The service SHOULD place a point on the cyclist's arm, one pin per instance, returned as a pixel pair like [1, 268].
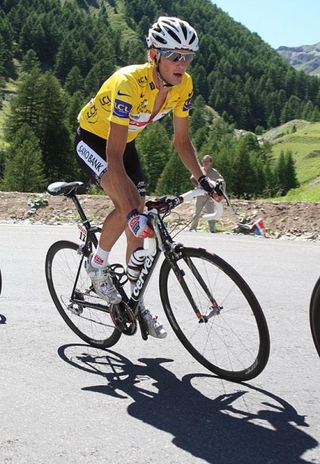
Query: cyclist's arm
[184, 146]
[116, 181]
[186, 150]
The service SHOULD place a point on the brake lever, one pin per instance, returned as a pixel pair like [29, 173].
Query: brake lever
[221, 191]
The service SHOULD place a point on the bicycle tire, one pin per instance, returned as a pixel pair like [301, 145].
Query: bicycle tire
[91, 325]
[314, 315]
[240, 315]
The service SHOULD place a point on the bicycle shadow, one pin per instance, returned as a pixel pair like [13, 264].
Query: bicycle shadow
[219, 430]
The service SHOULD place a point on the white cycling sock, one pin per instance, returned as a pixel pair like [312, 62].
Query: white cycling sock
[100, 258]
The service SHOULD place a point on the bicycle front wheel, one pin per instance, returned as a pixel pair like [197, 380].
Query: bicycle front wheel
[70, 288]
[215, 314]
[314, 314]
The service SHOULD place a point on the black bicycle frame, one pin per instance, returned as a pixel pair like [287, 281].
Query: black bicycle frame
[144, 277]
[146, 271]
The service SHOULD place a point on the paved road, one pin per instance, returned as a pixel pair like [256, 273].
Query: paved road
[64, 402]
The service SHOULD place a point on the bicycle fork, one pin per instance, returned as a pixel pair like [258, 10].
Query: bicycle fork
[214, 309]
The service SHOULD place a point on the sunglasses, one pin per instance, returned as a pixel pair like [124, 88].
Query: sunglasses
[171, 55]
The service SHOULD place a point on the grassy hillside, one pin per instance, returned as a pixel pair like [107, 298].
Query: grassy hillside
[2, 113]
[303, 139]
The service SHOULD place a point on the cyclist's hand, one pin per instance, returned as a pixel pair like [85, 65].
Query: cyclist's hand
[213, 188]
[138, 224]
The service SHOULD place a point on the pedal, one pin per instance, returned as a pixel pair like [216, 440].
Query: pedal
[118, 271]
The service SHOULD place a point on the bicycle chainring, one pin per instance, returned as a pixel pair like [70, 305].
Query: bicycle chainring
[123, 318]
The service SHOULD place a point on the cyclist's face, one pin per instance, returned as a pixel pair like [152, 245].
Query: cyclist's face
[173, 71]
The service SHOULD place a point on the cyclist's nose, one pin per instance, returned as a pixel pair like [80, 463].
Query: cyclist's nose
[182, 64]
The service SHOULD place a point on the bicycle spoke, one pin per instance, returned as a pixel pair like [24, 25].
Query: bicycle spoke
[229, 342]
[71, 289]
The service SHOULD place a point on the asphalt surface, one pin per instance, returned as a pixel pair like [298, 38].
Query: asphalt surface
[62, 401]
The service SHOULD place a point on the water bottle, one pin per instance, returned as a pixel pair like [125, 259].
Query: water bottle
[135, 264]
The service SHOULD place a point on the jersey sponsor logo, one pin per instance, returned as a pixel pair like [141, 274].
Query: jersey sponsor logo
[91, 113]
[142, 81]
[187, 104]
[105, 101]
[92, 159]
[121, 108]
[122, 93]
[142, 106]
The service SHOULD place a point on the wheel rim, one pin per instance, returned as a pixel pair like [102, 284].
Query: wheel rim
[229, 343]
[90, 324]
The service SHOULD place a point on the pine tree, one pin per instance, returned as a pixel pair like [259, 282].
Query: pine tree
[40, 103]
[281, 174]
[244, 172]
[175, 178]
[74, 81]
[53, 131]
[26, 106]
[291, 176]
[30, 61]
[24, 169]
[154, 147]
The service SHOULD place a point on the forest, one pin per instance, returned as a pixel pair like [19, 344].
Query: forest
[55, 54]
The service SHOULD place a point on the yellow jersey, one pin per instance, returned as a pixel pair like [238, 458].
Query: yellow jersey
[128, 97]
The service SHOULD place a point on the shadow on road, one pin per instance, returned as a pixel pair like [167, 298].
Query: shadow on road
[3, 319]
[233, 427]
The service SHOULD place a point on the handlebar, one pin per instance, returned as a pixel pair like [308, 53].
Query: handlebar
[164, 204]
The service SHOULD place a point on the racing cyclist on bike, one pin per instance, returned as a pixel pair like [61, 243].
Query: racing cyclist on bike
[132, 98]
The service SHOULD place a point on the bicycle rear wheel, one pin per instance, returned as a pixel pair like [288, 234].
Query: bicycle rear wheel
[70, 289]
[234, 342]
[314, 315]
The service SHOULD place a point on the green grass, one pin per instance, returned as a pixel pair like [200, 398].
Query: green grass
[305, 147]
[118, 22]
[2, 118]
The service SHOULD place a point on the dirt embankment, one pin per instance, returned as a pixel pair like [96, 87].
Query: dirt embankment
[291, 220]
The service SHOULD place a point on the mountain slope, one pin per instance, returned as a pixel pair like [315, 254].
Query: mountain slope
[302, 138]
[237, 73]
[305, 58]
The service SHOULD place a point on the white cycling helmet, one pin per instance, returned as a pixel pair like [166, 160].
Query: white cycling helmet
[172, 33]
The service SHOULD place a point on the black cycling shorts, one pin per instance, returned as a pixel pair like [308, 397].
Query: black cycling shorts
[91, 154]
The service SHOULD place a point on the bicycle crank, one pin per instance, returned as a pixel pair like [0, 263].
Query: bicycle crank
[123, 318]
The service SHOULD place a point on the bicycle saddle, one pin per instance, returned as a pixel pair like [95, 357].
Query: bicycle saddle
[63, 188]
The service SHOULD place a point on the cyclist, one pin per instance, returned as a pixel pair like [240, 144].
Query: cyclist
[128, 101]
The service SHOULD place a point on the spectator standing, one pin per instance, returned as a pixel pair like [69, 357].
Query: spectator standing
[205, 201]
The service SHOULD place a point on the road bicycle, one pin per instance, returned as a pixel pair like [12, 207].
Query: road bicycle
[314, 315]
[210, 307]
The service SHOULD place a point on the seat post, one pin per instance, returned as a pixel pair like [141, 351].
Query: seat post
[82, 215]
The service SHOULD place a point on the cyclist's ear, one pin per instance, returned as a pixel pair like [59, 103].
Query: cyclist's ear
[152, 55]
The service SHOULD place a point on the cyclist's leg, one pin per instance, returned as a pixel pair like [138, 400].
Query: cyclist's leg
[198, 209]
[134, 171]
[209, 208]
[133, 168]
[91, 153]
